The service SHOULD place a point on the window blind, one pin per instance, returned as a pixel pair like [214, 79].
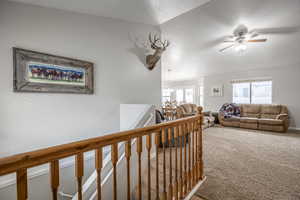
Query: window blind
[251, 80]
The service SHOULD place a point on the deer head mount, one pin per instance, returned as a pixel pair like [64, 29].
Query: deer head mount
[159, 47]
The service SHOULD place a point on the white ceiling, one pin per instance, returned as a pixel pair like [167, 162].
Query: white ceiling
[196, 38]
[145, 11]
[196, 29]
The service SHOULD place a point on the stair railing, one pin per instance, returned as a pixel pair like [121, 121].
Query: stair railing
[144, 121]
[186, 134]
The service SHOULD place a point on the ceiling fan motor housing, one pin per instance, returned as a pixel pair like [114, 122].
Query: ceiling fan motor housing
[240, 31]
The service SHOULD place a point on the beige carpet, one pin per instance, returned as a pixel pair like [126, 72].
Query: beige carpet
[242, 164]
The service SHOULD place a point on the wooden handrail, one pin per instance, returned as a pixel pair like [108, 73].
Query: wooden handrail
[21, 162]
[34, 158]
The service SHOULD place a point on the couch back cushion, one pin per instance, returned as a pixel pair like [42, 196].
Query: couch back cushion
[284, 110]
[266, 111]
[194, 108]
[189, 108]
[270, 111]
[250, 110]
[268, 116]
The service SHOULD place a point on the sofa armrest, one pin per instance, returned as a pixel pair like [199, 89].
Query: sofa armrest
[285, 119]
[221, 118]
[282, 117]
[188, 114]
[207, 113]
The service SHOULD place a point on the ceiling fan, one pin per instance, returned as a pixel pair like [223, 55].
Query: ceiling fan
[241, 36]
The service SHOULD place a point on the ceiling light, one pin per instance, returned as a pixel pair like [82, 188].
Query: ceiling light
[240, 47]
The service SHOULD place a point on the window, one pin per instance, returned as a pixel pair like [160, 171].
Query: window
[179, 96]
[254, 92]
[184, 94]
[166, 95]
[201, 96]
[241, 93]
[261, 92]
[189, 95]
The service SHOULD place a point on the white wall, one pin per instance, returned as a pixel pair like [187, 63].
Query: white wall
[172, 84]
[131, 115]
[29, 120]
[286, 84]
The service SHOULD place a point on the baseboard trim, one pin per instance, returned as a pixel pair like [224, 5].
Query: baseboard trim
[294, 128]
[9, 180]
[194, 190]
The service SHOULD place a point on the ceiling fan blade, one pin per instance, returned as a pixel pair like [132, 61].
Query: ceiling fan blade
[278, 30]
[230, 37]
[254, 34]
[258, 40]
[228, 47]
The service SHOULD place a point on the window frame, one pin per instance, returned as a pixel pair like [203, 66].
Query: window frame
[170, 90]
[183, 88]
[251, 88]
[193, 94]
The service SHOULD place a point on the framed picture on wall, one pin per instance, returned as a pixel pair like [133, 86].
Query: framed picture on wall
[41, 72]
[217, 91]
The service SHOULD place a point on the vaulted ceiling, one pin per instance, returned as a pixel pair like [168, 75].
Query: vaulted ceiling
[196, 29]
[145, 11]
[197, 36]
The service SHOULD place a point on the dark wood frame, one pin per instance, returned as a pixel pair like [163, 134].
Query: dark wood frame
[21, 84]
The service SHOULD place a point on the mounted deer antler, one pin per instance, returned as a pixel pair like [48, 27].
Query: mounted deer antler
[159, 48]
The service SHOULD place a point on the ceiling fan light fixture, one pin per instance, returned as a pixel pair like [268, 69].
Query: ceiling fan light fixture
[241, 47]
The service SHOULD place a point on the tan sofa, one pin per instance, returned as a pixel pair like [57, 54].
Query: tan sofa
[260, 117]
[186, 110]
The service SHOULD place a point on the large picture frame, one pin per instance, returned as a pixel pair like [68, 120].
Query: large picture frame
[41, 72]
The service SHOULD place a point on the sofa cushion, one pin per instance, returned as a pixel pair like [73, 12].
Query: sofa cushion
[248, 108]
[188, 114]
[206, 113]
[231, 123]
[232, 119]
[194, 108]
[248, 120]
[251, 115]
[249, 125]
[184, 108]
[271, 109]
[267, 127]
[268, 116]
[187, 108]
[252, 111]
[270, 121]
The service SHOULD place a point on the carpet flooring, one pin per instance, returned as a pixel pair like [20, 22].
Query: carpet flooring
[241, 164]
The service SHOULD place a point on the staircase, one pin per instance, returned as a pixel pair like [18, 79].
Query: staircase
[135, 167]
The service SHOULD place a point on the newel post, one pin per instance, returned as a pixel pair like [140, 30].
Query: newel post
[200, 143]
[199, 110]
